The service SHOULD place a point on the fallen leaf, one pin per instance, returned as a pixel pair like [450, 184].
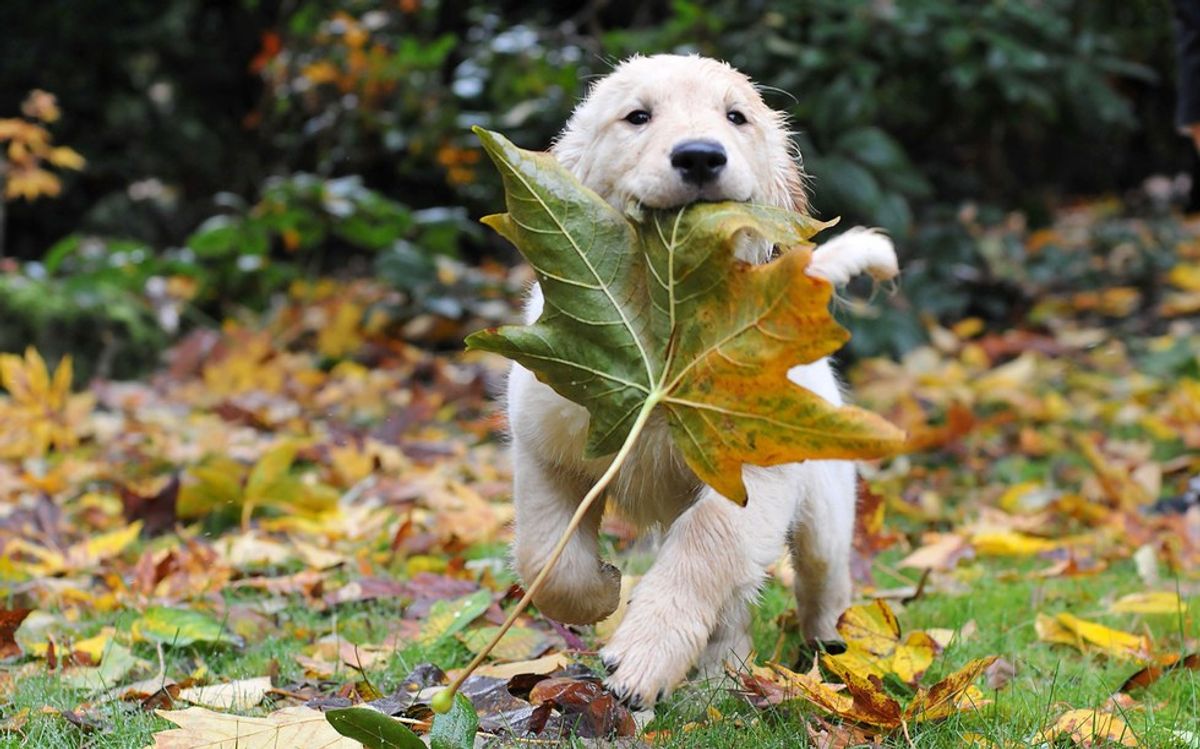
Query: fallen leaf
[1155, 671]
[545, 665]
[447, 618]
[942, 552]
[10, 620]
[874, 647]
[114, 666]
[1088, 728]
[953, 694]
[1086, 636]
[180, 627]
[1150, 602]
[298, 727]
[518, 643]
[373, 728]
[239, 695]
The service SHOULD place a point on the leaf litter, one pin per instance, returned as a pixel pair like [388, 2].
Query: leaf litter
[1069, 441]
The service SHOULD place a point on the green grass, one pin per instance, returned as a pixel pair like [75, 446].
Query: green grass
[996, 595]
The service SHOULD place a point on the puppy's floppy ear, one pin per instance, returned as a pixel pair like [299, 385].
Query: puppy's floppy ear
[568, 148]
[789, 183]
[795, 186]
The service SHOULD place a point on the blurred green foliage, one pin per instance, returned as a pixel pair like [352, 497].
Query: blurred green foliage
[239, 144]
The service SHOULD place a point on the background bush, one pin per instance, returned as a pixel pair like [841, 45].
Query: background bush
[240, 143]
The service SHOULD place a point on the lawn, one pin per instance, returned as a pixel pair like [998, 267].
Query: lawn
[314, 507]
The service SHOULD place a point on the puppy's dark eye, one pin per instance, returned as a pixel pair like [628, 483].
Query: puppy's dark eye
[736, 117]
[638, 117]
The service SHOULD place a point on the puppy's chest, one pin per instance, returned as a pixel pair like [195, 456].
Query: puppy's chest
[655, 485]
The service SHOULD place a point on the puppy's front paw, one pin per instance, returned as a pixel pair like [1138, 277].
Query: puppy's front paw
[647, 659]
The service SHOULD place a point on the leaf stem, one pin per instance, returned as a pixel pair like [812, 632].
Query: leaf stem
[535, 587]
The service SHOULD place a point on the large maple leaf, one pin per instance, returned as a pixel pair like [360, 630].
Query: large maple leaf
[659, 313]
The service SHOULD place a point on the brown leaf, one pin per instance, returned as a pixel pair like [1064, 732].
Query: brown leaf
[954, 693]
[10, 621]
[871, 704]
[1152, 673]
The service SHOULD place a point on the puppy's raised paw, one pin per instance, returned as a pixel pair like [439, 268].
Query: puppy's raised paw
[575, 598]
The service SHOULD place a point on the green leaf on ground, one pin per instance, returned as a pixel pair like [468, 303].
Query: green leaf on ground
[448, 618]
[455, 729]
[180, 627]
[374, 729]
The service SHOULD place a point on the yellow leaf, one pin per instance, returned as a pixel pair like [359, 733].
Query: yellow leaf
[811, 688]
[914, 656]
[270, 470]
[212, 485]
[1089, 728]
[88, 553]
[1153, 602]
[1010, 543]
[1185, 276]
[67, 158]
[340, 336]
[873, 646]
[31, 183]
[1088, 636]
[94, 647]
[955, 693]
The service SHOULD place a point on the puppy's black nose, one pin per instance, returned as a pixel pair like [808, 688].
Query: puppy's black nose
[698, 161]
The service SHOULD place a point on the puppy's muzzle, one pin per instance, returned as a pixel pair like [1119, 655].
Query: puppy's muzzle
[698, 161]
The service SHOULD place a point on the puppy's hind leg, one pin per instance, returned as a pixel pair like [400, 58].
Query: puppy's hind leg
[729, 642]
[821, 542]
[581, 589]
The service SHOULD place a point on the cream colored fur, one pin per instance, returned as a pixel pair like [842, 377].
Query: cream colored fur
[691, 608]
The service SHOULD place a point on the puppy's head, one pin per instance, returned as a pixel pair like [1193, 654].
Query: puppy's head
[668, 130]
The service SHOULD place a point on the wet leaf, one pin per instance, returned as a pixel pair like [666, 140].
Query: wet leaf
[611, 336]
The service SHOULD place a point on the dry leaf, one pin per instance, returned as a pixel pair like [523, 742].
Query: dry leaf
[292, 727]
[1088, 728]
[233, 695]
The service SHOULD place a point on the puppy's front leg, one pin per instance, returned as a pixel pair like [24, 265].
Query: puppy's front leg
[581, 589]
[714, 554]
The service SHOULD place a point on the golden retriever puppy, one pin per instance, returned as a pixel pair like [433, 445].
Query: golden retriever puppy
[661, 132]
